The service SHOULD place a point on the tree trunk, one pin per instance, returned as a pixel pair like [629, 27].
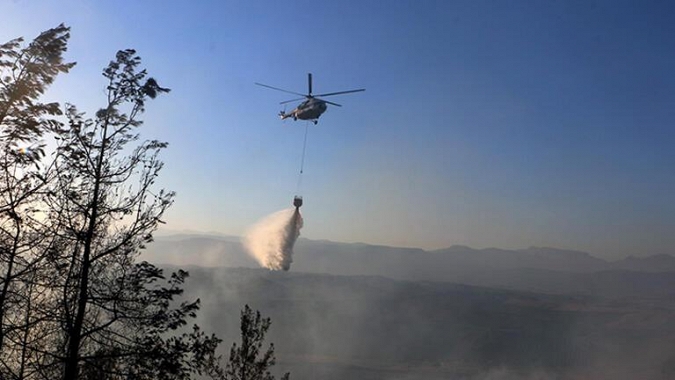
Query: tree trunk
[5, 285]
[75, 333]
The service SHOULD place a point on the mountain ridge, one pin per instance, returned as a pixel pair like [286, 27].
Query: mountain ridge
[651, 263]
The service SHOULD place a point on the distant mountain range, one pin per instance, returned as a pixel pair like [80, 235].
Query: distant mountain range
[537, 269]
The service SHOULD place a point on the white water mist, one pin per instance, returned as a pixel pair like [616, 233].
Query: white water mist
[270, 241]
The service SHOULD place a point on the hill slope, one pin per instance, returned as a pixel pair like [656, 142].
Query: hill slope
[364, 327]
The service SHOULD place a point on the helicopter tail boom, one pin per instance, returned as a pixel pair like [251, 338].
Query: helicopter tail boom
[283, 115]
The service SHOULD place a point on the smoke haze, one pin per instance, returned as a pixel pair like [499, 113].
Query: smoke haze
[270, 241]
[356, 311]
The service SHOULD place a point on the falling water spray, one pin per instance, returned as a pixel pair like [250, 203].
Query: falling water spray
[270, 242]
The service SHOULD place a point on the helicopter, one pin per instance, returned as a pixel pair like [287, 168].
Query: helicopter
[311, 108]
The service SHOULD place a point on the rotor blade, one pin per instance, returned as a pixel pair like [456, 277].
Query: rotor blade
[292, 100]
[326, 101]
[280, 89]
[341, 92]
[309, 81]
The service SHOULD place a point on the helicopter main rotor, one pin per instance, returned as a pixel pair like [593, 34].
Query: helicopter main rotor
[309, 94]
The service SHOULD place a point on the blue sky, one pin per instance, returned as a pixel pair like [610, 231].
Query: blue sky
[488, 124]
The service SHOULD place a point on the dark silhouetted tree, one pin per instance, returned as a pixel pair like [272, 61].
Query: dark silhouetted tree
[25, 74]
[75, 302]
[116, 314]
[247, 360]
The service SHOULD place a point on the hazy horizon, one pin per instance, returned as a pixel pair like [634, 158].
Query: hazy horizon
[166, 233]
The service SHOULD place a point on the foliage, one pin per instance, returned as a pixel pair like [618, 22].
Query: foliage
[74, 300]
[247, 361]
[25, 74]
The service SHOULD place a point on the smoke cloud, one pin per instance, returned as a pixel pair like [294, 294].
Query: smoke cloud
[270, 241]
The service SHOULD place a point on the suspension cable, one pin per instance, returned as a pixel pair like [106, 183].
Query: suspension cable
[302, 159]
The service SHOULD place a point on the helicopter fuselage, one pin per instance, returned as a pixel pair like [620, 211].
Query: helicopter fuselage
[310, 109]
